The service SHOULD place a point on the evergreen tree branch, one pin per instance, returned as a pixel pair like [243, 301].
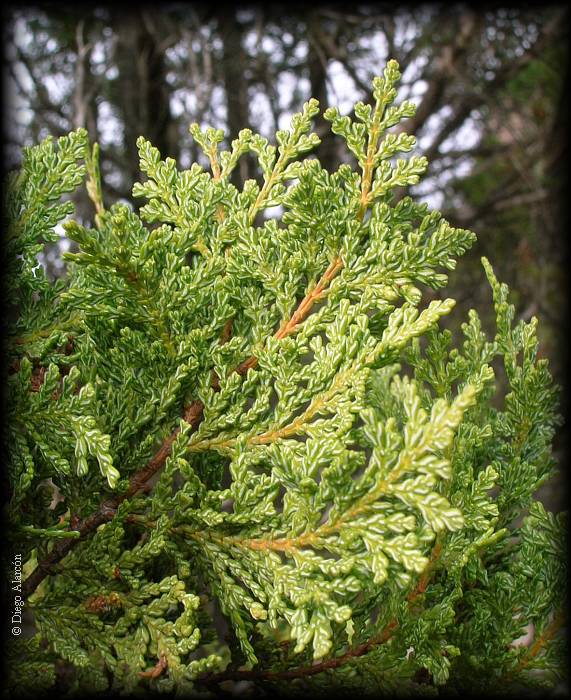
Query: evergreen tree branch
[193, 416]
[194, 412]
[307, 495]
[304, 671]
[329, 664]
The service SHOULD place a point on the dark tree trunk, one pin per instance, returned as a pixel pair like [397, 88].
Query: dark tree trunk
[317, 66]
[234, 64]
[142, 92]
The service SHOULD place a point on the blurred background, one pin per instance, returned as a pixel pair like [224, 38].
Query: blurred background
[490, 85]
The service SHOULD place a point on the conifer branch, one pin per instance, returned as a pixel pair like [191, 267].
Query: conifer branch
[193, 416]
[194, 412]
[329, 664]
[303, 671]
[342, 474]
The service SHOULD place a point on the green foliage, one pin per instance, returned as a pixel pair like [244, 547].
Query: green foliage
[222, 414]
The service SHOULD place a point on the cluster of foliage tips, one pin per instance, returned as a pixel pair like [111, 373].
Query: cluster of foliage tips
[242, 449]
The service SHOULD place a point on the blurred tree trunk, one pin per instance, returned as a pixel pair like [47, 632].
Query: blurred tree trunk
[84, 106]
[317, 64]
[234, 67]
[142, 94]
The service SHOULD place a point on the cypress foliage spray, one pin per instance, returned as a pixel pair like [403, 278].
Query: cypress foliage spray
[238, 407]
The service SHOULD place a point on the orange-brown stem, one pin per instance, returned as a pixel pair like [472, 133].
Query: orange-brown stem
[158, 669]
[301, 312]
[549, 632]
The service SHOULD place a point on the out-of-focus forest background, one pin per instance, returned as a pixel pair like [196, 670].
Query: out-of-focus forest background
[490, 85]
